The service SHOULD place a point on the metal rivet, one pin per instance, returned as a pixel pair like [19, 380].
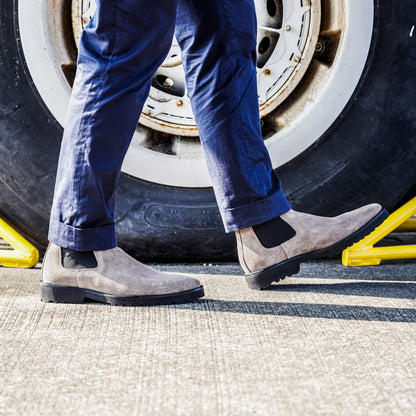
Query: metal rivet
[267, 72]
[320, 47]
[288, 28]
[179, 103]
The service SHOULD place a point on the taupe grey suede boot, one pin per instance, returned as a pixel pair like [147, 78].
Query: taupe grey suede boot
[305, 237]
[117, 279]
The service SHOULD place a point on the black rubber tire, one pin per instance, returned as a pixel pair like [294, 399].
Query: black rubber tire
[368, 155]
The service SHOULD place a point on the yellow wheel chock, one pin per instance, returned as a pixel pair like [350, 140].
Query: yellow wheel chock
[24, 254]
[364, 253]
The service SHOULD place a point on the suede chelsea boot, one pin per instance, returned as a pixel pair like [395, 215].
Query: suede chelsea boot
[111, 276]
[272, 251]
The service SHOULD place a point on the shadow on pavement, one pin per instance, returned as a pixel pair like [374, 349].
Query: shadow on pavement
[304, 310]
[370, 289]
[330, 269]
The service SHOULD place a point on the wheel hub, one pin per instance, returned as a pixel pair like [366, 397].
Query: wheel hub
[285, 28]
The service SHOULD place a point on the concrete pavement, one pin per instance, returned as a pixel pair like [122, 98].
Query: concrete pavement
[329, 341]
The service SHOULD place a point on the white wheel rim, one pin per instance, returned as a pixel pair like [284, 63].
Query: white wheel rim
[298, 128]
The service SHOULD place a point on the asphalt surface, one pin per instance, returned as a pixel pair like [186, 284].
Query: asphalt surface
[328, 341]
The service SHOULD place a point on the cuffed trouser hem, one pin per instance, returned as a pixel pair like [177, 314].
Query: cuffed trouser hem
[88, 239]
[255, 213]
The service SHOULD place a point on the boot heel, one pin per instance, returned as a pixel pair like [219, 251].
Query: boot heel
[264, 278]
[60, 294]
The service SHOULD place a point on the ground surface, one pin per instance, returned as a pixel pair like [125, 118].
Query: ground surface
[332, 340]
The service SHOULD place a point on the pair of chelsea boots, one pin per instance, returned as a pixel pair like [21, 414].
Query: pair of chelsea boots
[267, 253]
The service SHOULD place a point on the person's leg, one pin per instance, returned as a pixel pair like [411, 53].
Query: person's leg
[119, 52]
[120, 49]
[218, 42]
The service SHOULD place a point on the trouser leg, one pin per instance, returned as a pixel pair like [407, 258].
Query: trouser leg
[120, 50]
[218, 41]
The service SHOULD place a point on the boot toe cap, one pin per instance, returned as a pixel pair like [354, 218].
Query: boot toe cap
[182, 283]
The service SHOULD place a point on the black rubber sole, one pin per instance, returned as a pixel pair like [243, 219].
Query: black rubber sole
[265, 277]
[68, 294]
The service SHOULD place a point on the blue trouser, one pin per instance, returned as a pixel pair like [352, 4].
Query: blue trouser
[120, 50]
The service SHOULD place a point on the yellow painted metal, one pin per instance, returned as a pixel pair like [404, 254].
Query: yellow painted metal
[364, 253]
[24, 255]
